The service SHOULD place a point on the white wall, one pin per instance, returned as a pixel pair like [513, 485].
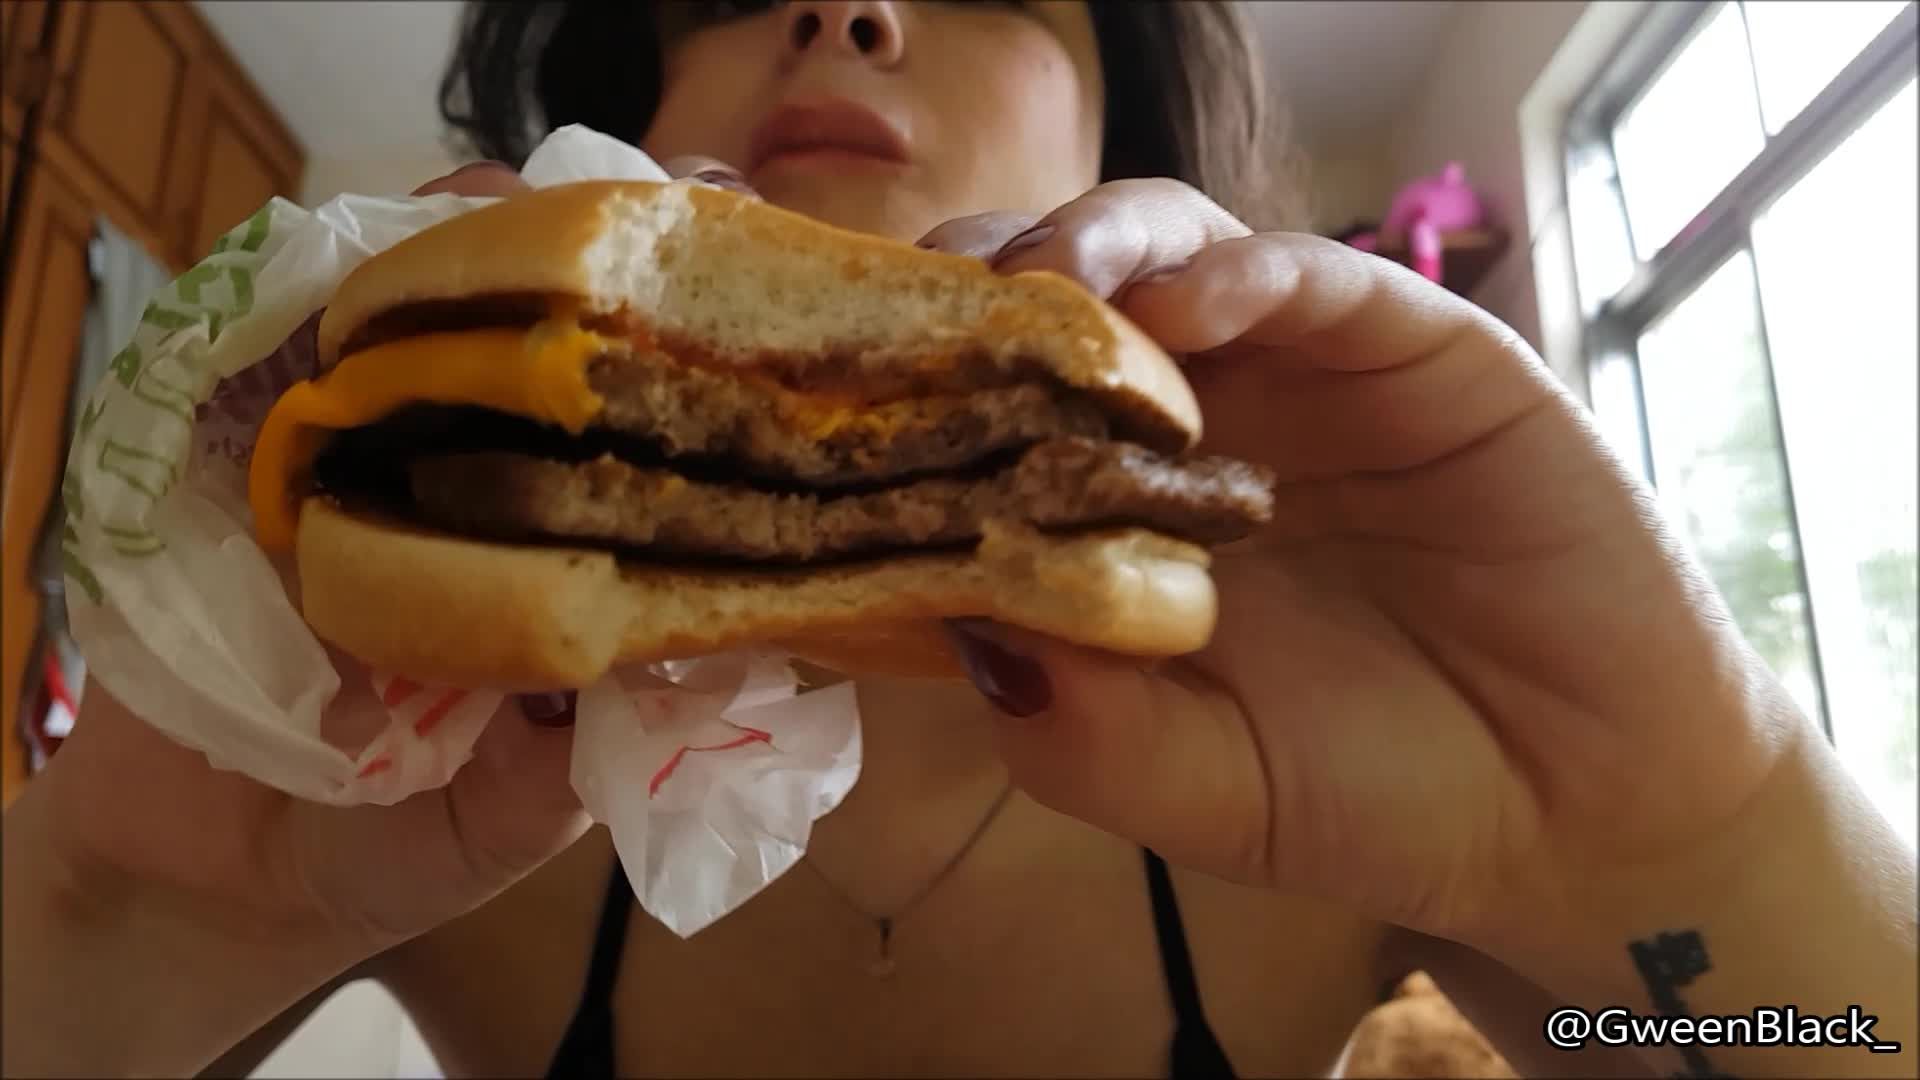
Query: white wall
[1348, 184]
[361, 1033]
[1467, 110]
[384, 174]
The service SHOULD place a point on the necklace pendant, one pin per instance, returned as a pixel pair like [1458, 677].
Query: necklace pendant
[883, 965]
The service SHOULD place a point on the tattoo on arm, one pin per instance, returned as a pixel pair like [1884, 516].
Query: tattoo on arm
[1667, 962]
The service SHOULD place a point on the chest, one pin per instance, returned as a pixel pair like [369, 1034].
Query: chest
[1049, 968]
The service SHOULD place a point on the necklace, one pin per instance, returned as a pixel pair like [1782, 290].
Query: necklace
[883, 964]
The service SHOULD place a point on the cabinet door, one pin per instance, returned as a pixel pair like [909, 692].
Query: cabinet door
[236, 174]
[234, 155]
[46, 308]
[20, 24]
[24, 68]
[120, 72]
[8, 157]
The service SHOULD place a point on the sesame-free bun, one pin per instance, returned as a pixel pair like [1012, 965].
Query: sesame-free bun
[522, 618]
[742, 280]
[741, 283]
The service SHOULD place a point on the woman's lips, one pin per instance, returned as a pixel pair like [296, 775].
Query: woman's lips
[836, 134]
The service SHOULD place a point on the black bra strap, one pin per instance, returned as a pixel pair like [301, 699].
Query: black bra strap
[610, 938]
[1175, 960]
[587, 1048]
[1196, 1052]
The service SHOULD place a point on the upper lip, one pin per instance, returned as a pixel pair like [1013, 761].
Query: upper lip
[829, 125]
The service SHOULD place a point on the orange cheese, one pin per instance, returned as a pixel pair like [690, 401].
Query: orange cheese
[539, 373]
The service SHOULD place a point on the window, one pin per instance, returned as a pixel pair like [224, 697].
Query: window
[1741, 191]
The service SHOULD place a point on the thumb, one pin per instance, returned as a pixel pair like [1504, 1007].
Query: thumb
[1156, 753]
[395, 871]
[515, 799]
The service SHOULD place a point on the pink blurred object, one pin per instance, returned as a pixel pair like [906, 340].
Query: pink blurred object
[1422, 211]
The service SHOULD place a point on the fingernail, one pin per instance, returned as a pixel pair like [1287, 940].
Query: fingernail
[1015, 684]
[549, 710]
[1162, 273]
[726, 178]
[1033, 237]
[483, 163]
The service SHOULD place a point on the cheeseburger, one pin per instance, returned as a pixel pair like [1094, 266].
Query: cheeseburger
[619, 421]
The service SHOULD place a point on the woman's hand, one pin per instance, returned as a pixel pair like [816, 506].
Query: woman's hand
[185, 905]
[138, 813]
[1465, 681]
[136, 810]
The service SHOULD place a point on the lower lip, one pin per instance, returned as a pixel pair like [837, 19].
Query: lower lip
[828, 157]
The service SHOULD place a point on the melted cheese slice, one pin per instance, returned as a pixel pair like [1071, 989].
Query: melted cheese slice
[539, 373]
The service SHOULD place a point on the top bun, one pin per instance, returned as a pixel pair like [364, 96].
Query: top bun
[738, 279]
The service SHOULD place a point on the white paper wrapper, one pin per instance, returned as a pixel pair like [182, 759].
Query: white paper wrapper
[709, 772]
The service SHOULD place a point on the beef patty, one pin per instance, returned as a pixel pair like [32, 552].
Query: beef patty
[821, 440]
[1058, 484]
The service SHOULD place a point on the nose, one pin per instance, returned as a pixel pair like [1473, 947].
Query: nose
[869, 29]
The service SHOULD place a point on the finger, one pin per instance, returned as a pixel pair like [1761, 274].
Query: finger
[710, 171]
[480, 179]
[514, 802]
[1320, 361]
[978, 236]
[1343, 309]
[1140, 753]
[393, 871]
[1120, 231]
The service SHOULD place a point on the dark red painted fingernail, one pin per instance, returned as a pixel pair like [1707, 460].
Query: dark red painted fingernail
[549, 710]
[483, 163]
[727, 179]
[1015, 684]
[1032, 238]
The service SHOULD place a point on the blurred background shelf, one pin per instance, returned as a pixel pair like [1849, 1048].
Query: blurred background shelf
[1467, 255]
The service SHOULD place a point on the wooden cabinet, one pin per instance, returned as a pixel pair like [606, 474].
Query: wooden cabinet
[152, 118]
[129, 110]
[45, 311]
[8, 156]
[23, 77]
[233, 157]
[114, 108]
[24, 70]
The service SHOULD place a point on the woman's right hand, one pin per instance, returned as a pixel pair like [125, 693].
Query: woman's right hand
[134, 814]
[134, 811]
[181, 906]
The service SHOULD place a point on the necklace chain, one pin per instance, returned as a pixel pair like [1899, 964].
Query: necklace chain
[883, 964]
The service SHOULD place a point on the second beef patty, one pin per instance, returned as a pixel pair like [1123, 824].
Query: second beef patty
[1059, 484]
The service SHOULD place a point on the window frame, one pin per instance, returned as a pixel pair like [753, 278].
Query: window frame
[1611, 326]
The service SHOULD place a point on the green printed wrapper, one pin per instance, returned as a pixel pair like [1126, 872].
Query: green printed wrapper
[185, 619]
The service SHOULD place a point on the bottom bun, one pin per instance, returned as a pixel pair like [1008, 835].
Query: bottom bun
[522, 618]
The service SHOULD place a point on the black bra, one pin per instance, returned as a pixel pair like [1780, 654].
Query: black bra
[586, 1051]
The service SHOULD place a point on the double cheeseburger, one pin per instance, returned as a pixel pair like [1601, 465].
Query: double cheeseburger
[612, 422]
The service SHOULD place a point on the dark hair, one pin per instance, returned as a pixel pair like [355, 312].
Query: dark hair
[1185, 93]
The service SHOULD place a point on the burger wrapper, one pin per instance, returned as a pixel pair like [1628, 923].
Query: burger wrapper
[709, 772]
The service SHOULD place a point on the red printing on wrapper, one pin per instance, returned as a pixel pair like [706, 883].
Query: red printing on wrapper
[399, 690]
[402, 688]
[437, 711]
[752, 735]
[404, 698]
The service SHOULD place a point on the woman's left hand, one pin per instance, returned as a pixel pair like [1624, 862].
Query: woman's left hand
[1465, 681]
